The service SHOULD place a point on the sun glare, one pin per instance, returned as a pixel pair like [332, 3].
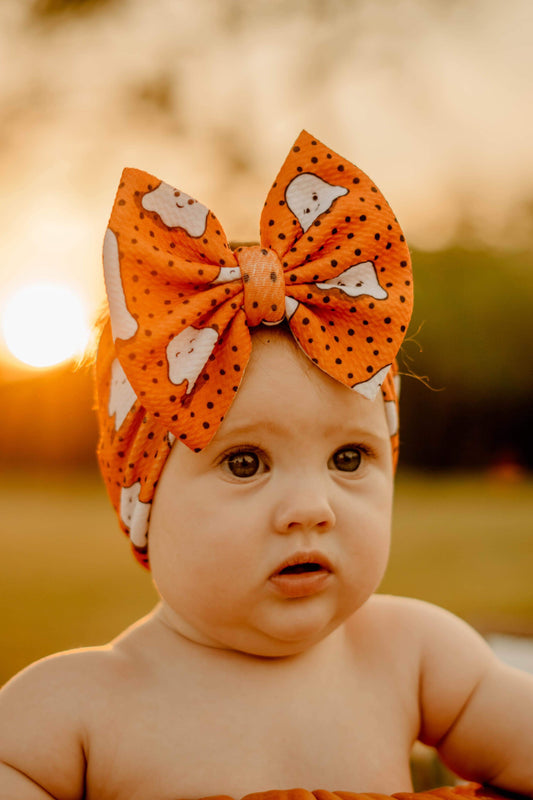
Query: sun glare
[44, 324]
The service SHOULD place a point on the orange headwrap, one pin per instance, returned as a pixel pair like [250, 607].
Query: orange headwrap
[332, 261]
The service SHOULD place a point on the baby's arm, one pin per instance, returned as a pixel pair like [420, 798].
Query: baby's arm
[41, 732]
[476, 711]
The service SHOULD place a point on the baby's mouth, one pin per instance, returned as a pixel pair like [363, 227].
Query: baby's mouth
[304, 562]
[295, 569]
[302, 574]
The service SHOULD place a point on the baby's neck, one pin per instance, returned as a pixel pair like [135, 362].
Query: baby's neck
[180, 633]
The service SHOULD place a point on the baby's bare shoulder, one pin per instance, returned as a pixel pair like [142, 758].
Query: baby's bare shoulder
[454, 659]
[403, 620]
[46, 713]
[448, 656]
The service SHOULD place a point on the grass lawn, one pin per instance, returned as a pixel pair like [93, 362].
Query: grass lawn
[68, 579]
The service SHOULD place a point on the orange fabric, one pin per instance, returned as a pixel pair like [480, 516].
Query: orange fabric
[332, 262]
[468, 791]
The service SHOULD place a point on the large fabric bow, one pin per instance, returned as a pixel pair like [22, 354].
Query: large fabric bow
[332, 262]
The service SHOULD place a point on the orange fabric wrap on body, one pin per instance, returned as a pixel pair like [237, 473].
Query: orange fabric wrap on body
[468, 791]
[332, 264]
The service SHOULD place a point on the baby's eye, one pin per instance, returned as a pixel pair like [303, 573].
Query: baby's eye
[243, 463]
[346, 459]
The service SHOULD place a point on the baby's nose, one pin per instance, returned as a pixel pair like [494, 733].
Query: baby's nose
[304, 511]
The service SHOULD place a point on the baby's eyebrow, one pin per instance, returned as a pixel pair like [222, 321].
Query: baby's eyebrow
[352, 432]
[258, 426]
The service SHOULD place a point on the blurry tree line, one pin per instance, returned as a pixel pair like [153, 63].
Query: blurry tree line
[469, 344]
[471, 338]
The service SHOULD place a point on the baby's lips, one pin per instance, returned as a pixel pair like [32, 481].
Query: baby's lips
[305, 557]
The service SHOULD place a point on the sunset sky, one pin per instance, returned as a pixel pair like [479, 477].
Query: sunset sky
[432, 98]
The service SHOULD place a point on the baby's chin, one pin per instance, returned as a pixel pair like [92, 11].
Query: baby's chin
[282, 640]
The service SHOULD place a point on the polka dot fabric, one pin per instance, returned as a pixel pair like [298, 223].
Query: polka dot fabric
[465, 791]
[332, 261]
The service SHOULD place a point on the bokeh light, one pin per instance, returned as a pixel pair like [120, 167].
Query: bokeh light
[44, 324]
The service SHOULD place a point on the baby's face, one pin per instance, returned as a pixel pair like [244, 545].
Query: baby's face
[301, 467]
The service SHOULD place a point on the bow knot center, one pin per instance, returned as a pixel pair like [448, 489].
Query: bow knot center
[264, 285]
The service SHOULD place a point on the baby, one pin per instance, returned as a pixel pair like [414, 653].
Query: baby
[249, 432]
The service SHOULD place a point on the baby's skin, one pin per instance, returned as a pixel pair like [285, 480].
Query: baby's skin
[243, 679]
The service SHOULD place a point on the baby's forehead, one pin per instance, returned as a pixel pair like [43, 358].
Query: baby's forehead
[284, 392]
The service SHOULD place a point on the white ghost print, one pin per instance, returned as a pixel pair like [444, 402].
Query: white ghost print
[123, 325]
[397, 385]
[290, 306]
[391, 412]
[227, 274]
[187, 354]
[357, 280]
[135, 514]
[121, 394]
[308, 196]
[177, 209]
[370, 387]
